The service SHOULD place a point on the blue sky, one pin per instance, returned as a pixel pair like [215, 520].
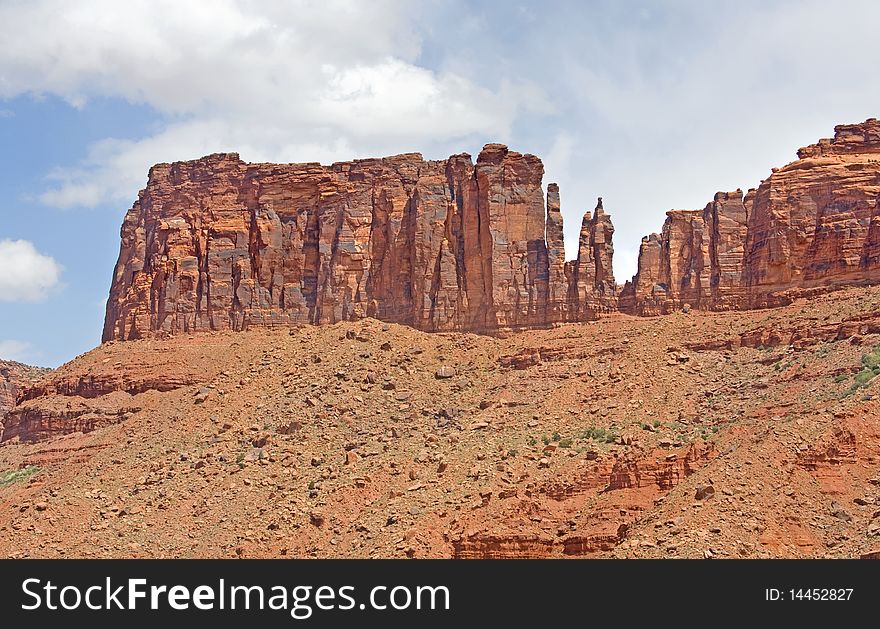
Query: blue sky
[652, 105]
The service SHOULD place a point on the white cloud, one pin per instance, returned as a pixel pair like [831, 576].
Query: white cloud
[291, 81]
[651, 106]
[25, 273]
[13, 350]
[664, 105]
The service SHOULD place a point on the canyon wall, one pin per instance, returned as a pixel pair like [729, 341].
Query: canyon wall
[217, 243]
[447, 245]
[697, 259]
[811, 225]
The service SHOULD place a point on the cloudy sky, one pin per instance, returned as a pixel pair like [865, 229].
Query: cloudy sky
[652, 105]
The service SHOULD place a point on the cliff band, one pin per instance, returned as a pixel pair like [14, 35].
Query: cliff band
[217, 243]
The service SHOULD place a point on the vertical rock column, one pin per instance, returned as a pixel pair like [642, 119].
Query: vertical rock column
[591, 285]
[557, 299]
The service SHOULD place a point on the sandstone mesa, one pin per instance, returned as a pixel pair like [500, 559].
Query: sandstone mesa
[217, 243]
[811, 225]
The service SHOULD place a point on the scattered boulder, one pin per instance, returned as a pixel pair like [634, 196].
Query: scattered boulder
[704, 492]
[446, 371]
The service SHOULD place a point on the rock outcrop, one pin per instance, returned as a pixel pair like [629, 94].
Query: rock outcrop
[217, 243]
[7, 390]
[697, 259]
[452, 245]
[811, 225]
[88, 393]
[13, 376]
[592, 288]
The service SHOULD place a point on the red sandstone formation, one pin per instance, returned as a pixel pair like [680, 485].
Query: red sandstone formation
[591, 284]
[814, 223]
[217, 243]
[7, 389]
[698, 260]
[13, 376]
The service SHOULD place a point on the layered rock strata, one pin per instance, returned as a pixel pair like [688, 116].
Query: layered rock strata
[814, 223]
[217, 243]
[13, 377]
[453, 245]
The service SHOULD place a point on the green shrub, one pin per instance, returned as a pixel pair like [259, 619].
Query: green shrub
[864, 377]
[599, 434]
[872, 359]
[13, 476]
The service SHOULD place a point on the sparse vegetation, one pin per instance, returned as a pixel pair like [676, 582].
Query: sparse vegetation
[870, 370]
[14, 476]
[871, 360]
[677, 426]
[565, 443]
[599, 434]
[866, 375]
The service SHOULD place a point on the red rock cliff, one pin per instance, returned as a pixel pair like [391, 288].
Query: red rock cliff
[697, 259]
[218, 243]
[812, 224]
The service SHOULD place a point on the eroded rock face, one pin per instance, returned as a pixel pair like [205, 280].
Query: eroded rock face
[812, 224]
[7, 391]
[815, 221]
[697, 259]
[217, 243]
[14, 377]
[592, 289]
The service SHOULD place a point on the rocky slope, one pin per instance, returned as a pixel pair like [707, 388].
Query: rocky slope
[719, 434]
[811, 225]
[219, 244]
